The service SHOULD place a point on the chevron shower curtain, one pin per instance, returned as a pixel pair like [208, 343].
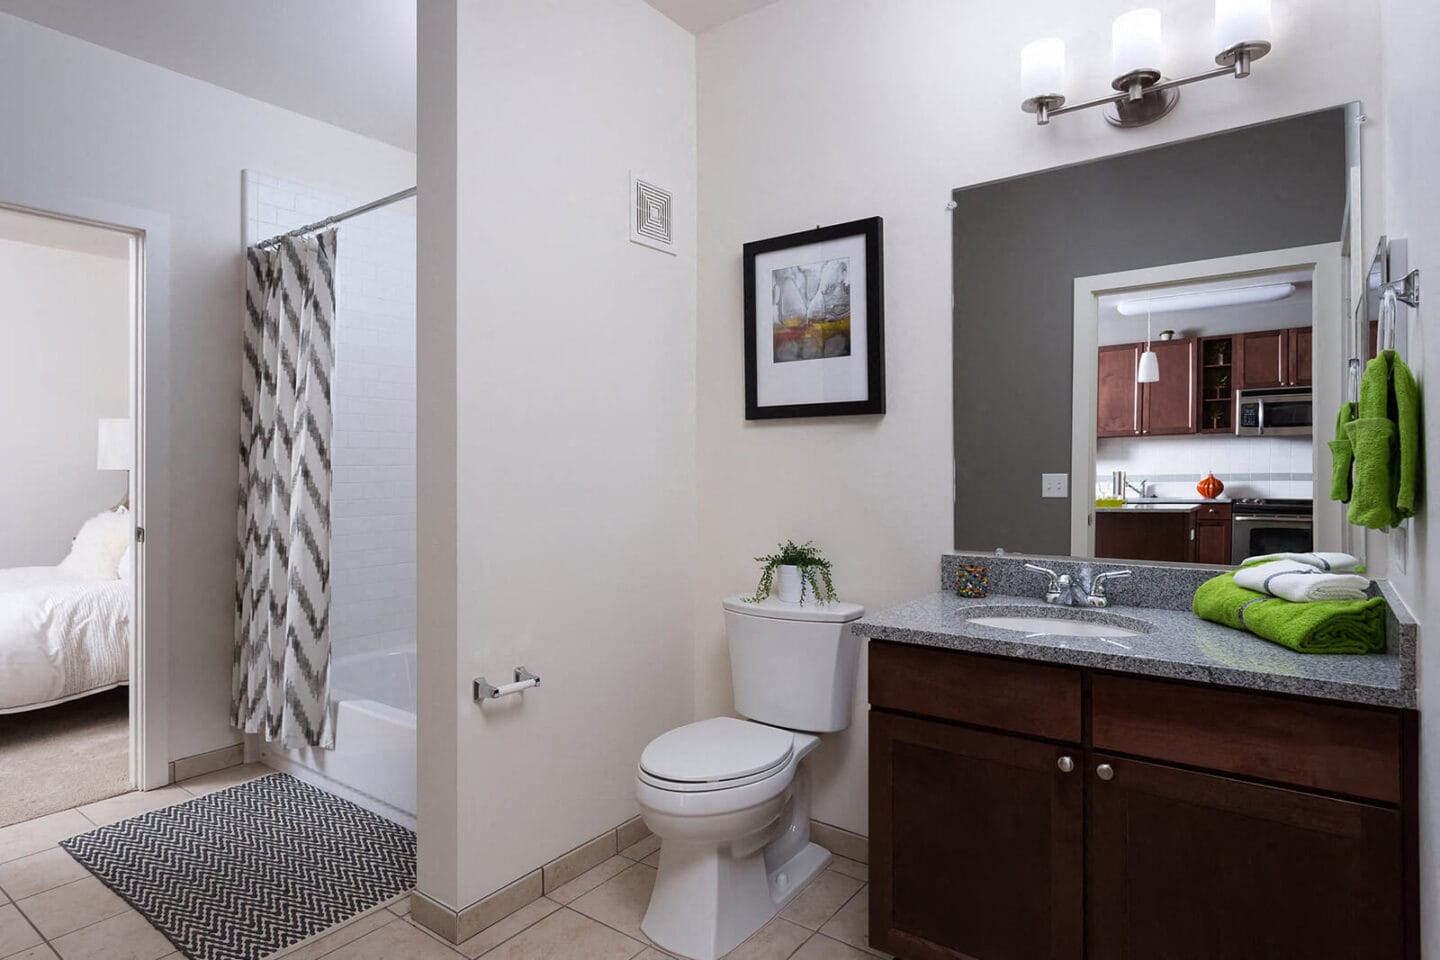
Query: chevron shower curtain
[281, 678]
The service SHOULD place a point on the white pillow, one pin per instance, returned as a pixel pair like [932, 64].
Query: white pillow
[127, 562]
[95, 554]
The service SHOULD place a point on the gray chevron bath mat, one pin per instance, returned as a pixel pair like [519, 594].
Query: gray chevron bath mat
[239, 874]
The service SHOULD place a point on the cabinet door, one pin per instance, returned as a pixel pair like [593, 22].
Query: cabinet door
[1118, 413]
[975, 844]
[1169, 403]
[1166, 536]
[1196, 866]
[1261, 359]
[1212, 542]
[1301, 341]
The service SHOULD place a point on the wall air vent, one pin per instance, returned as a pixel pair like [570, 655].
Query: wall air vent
[651, 215]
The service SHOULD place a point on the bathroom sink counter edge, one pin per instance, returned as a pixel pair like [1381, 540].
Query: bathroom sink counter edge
[1182, 647]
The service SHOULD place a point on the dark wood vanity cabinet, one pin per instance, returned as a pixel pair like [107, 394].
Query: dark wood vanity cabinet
[1195, 866]
[1024, 811]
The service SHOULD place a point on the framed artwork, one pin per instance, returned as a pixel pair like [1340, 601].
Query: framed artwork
[815, 323]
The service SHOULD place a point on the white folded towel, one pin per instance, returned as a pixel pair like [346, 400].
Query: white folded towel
[1325, 562]
[1301, 582]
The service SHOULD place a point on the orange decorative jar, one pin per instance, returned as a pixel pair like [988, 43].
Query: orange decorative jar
[1210, 487]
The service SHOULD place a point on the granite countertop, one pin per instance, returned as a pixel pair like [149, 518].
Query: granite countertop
[1140, 506]
[1181, 646]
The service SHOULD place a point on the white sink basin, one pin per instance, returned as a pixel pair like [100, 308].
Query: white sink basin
[1054, 626]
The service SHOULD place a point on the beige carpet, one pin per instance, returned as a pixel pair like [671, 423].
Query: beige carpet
[63, 756]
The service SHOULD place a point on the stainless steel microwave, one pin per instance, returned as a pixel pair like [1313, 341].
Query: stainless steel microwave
[1274, 413]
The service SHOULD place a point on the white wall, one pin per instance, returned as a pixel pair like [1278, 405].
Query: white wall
[372, 452]
[66, 364]
[1412, 211]
[130, 134]
[573, 442]
[820, 111]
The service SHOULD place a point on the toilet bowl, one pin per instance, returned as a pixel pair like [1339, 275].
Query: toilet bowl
[730, 798]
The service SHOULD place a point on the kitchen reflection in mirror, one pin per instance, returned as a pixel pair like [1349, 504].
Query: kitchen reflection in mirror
[1168, 327]
[1205, 453]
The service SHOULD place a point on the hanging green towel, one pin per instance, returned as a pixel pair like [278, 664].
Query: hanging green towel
[1326, 626]
[1386, 443]
[1342, 456]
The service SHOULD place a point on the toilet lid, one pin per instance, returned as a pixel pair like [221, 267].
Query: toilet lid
[717, 750]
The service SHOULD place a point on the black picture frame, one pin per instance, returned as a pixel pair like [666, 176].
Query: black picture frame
[872, 229]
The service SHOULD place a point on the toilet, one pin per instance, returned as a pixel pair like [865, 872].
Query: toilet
[730, 799]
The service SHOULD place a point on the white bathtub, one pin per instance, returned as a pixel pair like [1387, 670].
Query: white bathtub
[373, 763]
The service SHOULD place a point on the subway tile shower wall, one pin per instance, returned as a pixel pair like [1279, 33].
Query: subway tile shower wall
[373, 506]
[1248, 466]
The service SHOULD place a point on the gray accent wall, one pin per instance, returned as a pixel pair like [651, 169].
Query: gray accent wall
[1019, 244]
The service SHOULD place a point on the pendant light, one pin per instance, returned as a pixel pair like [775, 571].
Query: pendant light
[1149, 371]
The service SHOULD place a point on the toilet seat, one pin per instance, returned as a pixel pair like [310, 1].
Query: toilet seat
[717, 754]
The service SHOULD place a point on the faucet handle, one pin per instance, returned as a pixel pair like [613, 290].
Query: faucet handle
[1050, 574]
[1097, 585]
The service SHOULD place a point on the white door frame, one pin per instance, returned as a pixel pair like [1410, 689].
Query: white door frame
[149, 483]
[1330, 325]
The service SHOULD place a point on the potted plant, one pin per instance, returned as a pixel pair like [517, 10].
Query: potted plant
[804, 574]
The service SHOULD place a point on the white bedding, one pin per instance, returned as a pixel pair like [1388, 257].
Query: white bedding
[62, 635]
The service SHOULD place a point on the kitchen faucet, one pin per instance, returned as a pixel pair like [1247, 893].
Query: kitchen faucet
[1065, 591]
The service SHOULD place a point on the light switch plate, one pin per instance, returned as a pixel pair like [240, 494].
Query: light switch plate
[1054, 484]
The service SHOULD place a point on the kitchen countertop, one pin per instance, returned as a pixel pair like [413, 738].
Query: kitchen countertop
[1140, 506]
[1181, 646]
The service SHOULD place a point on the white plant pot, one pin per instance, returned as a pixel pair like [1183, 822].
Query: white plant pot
[791, 586]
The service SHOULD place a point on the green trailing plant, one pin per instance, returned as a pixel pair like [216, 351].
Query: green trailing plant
[814, 571]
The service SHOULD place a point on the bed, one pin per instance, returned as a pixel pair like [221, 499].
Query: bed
[65, 630]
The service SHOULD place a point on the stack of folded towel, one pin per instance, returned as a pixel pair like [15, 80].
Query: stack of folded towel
[1309, 602]
[1301, 581]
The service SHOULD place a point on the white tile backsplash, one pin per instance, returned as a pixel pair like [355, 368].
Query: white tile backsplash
[1248, 466]
[373, 451]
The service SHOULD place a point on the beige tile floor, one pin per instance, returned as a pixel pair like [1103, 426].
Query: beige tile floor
[50, 906]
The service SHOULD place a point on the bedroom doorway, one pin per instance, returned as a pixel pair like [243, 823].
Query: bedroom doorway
[71, 570]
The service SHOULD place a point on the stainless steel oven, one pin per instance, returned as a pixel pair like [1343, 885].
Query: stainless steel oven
[1271, 526]
[1274, 413]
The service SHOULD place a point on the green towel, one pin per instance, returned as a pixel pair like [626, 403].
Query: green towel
[1342, 456]
[1327, 626]
[1385, 439]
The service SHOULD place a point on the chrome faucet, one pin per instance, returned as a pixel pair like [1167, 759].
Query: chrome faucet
[1063, 590]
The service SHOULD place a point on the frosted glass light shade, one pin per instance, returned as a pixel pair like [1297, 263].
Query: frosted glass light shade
[1241, 21]
[1042, 68]
[115, 448]
[1135, 42]
[1149, 371]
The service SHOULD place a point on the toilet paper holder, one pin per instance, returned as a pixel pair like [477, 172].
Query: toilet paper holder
[524, 680]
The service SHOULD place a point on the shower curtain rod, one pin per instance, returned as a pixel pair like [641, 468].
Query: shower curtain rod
[331, 221]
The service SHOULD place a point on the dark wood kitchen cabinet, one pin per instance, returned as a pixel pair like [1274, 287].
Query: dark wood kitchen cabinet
[1138, 534]
[1127, 408]
[1118, 411]
[1212, 533]
[1026, 811]
[1273, 358]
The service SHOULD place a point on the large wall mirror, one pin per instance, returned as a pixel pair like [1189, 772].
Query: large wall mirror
[1129, 327]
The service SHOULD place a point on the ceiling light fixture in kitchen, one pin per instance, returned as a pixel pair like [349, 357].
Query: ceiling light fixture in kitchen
[1205, 299]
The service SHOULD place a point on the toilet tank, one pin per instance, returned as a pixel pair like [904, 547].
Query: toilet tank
[793, 666]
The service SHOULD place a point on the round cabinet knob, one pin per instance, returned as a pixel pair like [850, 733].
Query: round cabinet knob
[1105, 772]
[1065, 764]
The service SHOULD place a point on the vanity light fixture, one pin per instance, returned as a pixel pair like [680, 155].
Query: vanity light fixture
[1143, 95]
